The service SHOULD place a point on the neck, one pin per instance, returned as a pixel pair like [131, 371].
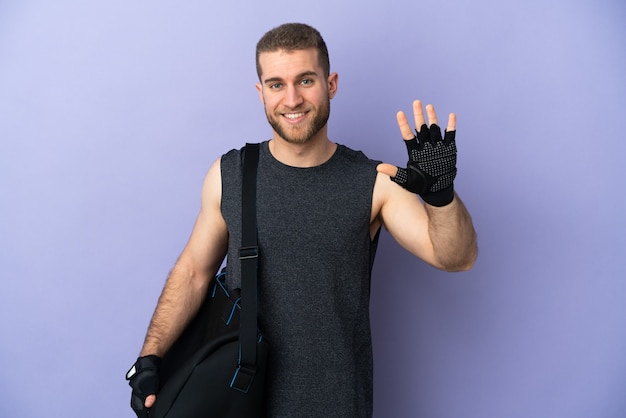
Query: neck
[312, 153]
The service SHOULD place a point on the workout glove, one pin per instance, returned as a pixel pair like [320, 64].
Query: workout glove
[143, 377]
[431, 168]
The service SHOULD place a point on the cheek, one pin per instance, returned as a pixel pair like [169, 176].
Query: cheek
[322, 97]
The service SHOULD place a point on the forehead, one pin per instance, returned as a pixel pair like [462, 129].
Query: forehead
[285, 64]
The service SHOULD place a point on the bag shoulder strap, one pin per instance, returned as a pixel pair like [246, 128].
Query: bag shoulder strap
[248, 256]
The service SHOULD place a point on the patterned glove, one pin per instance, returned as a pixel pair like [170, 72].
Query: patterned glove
[431, 168]
[143, 377]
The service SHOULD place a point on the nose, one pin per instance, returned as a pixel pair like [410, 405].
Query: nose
[292, 98]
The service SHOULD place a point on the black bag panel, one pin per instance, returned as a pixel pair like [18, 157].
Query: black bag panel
[218, 315]
[208, 375]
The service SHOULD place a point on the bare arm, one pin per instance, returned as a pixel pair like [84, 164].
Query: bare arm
[453, 237]
[188, 281]
[443, 236]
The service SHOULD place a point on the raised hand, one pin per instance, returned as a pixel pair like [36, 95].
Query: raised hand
[431, 168]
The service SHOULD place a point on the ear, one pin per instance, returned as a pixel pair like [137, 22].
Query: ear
[333, 84]
[259, 88]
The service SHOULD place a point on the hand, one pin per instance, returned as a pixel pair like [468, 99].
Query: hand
[431, 168]
[143, 377]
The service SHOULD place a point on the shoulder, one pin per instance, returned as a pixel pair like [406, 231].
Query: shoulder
[234, 156]
[222, 173]
[212, 187]
[356, 161]
[355, 155]
[233, 159]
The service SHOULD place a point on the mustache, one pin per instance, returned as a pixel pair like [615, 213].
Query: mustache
[296, 109]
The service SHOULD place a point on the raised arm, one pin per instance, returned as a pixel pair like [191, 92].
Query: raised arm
[183, 291]
[439, 230]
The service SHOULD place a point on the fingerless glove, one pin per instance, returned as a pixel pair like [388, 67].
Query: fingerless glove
[431, 168]
[143, 377]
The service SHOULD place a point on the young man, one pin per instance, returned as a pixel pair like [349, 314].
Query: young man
[320, 208]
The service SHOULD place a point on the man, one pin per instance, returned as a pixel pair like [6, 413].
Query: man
[320, 208]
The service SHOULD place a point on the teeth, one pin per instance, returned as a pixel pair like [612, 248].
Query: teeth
[293, 115]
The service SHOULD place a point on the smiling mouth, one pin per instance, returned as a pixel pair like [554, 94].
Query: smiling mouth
[294, 116]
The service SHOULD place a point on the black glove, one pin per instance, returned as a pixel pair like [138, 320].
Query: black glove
[143, 377]
[431, 168]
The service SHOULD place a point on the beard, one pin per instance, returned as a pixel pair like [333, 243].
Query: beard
[300, 134]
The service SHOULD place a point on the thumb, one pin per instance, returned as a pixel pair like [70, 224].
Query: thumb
[389, 169]
[150, 399]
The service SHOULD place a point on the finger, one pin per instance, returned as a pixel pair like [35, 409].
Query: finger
[389, 169]
[432, 116]
[418, 113]
[150, 399]
[403, 124]
[451, 123]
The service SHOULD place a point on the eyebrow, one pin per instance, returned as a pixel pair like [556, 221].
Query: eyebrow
[301, 75]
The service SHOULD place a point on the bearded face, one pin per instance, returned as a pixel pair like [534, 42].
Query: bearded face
[295, 93]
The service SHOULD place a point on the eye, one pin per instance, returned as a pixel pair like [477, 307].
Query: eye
[275, 86]
[306, 81]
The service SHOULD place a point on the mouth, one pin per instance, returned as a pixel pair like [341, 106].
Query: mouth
[294, 117]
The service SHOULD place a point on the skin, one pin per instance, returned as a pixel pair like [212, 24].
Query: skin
[295, 94]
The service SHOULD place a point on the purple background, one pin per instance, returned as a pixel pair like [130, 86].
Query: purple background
[112, 111]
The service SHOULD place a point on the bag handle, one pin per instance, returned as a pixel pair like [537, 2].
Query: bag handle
[248, 256]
